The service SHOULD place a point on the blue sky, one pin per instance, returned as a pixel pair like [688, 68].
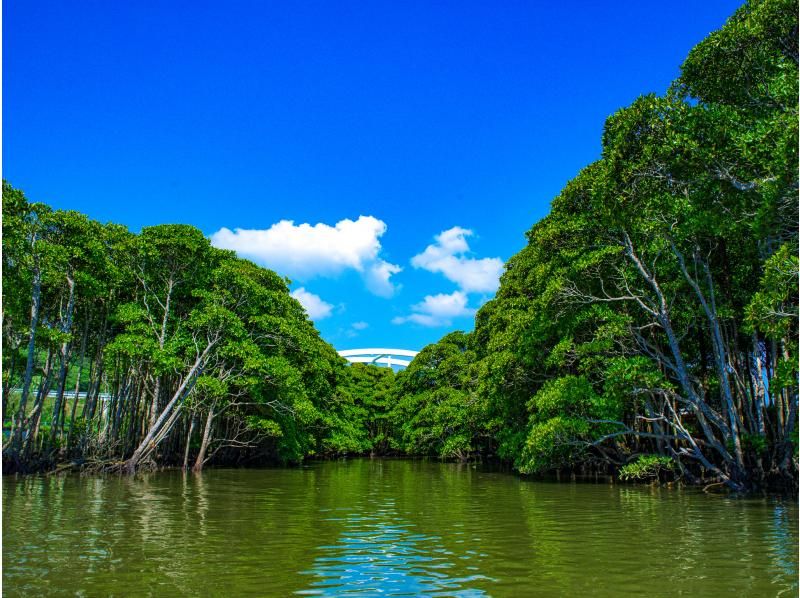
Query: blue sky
[409, 144]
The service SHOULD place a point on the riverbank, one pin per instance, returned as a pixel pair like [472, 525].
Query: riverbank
[493, 465]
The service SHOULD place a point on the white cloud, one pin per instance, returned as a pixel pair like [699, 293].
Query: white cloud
[378, 278]
[443, 305]
[355, 328]
[438, 310]
[315, 307]
[421, 319]
[303, 251]
[446, 257]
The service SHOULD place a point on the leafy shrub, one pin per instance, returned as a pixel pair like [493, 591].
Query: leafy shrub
[646, 467]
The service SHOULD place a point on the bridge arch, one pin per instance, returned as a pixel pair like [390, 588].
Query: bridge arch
[380, 356]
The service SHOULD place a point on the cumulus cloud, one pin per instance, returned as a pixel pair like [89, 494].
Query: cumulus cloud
[378, 278]
[360, 325]
[447, 256]
[315, 307]
[304, 251]
[438, 310]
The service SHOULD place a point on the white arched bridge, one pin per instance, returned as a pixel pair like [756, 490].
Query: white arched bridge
[387, 357]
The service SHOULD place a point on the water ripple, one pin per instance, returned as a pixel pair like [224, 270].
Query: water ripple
[366, 528]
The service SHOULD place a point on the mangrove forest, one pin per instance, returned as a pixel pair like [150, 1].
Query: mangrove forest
[648, 330]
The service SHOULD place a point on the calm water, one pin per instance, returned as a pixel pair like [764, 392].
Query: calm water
[387, 527]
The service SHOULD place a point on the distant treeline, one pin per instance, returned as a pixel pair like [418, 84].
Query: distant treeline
[649, 328]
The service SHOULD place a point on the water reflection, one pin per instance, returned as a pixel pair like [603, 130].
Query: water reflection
[395, 527]
[783, 549]
[380, 553]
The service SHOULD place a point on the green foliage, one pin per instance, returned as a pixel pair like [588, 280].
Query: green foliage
[646, 467]
[565, 415]
[153, 311]
[774, 304]
[264, 426]
[553, 443]
[659, 296]
[570, 395]
[437, 409]
[653, 311]
[360, 414]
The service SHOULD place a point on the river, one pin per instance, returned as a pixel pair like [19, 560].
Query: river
[394, 527]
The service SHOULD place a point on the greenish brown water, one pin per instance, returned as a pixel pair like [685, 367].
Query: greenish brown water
[392, 527]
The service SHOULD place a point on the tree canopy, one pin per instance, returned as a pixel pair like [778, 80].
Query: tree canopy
[157, 346]
[652, 317]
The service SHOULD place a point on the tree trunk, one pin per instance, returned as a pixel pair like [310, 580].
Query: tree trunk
[78, 382]
[150, 441]
[8, 382]
[66, 345]
[161, 340]
[201, 456]
[36, 302]
[38, 406]
[188, 442]
[719, 347]
[700, 407]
